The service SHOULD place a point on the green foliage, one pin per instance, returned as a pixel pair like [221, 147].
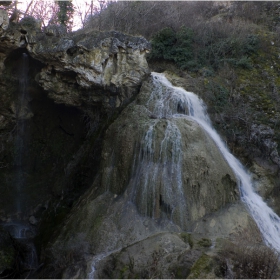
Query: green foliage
[220, 96]
[192, 51]
[65, 12]
[204, 242]
[251, 44]
[174, 46]
[183, 51]
[29, 22]
[229, 49]
[163, 44]
[244, 62]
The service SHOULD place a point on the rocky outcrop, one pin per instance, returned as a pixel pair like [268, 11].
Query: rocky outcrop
[14, 36]
[4, 23]
[112, 63]
[179, 142]
[95, 68]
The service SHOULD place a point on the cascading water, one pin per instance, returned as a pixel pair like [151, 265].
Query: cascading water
[267, 221]
[157, 180]
[21, 135]
[156, 183]
[21, 231]
[160, 166]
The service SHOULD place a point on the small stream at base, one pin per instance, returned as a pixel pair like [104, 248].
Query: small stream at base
[21, 130]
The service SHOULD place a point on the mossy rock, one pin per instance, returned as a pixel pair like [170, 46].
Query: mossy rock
[202, 268]
[187, 238]
[184, 263]
[204, 242]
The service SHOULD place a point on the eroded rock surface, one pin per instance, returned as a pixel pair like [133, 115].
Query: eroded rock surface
[80, 69]
[112, 63]
[129, 203]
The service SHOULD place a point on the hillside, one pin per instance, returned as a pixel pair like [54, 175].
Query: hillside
[144, 145]
[228, 53]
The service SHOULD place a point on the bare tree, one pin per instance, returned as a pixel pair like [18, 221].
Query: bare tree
[45, 11]
[83, 10]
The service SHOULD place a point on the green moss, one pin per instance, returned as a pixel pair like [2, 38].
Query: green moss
[201, 268]
[180, 272]
[187, 238]
[204, 242]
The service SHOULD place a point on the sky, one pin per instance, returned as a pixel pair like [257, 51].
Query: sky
[82, 7]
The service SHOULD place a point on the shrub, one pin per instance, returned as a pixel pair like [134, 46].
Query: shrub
[241, 261]
[183, 49]
[244, 62]
[162, 44]
[209, 45]
[251, 44]
[204, 242]
[220, 97]
[28, 21]
[174, 46]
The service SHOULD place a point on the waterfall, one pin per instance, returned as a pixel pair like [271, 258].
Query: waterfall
[156, 186]
[157, 180]
[267, 221]
[21, 135]
[21, 231]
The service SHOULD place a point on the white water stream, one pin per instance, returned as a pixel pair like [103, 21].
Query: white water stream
[21, 133]
[267, 221]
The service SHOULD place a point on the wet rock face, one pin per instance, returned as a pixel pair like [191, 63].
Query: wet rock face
[146, 190]
[159, 160]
